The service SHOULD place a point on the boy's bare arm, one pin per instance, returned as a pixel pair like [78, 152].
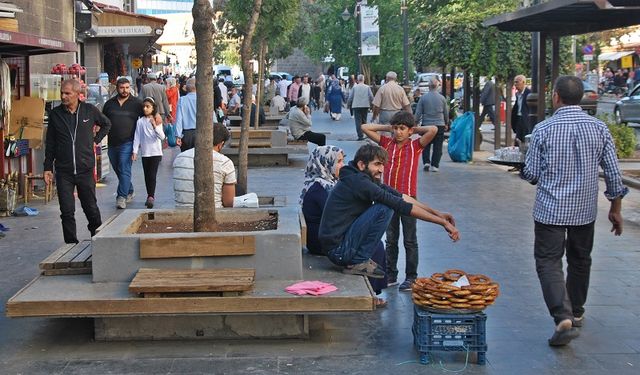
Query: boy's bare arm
[427, 133]
[371, 130]
[444, 215]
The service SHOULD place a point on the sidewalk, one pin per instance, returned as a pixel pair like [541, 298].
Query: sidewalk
[493, 212]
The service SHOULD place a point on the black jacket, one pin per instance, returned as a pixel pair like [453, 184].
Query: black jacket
[525, 110]
[352, 196]
[70, 140]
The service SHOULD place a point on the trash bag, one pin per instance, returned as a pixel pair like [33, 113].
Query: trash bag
[170, 133]
[460, 146]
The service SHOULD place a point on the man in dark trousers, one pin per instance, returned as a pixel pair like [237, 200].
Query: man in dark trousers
[564, 159]
[488, 101]
[123, 110]
[520, 121]
[359, 209]
[70, 146]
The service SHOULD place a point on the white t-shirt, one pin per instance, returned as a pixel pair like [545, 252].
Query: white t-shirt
[223, 173]
[147, 139]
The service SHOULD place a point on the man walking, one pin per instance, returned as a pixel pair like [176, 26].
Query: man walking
[389, 99]
[359, 209]
[432, 109]
[186, 118]
[360, 99]
[488, 101]
[563, 159]
[70, 145]
[159, 94]
[520, 122]
[123, 110]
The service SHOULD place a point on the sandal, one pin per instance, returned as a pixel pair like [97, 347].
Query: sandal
[368, 268]
[380, 303]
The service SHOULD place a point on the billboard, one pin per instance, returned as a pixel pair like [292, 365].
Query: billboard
[369, 31]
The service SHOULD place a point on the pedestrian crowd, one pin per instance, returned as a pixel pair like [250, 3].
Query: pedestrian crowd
[349, 206]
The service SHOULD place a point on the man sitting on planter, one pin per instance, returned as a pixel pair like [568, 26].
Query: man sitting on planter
[224, 173]
[359, 209]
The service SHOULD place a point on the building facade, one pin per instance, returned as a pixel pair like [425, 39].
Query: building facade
[154, 7]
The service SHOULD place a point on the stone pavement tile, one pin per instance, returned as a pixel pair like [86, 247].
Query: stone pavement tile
[37, 367]
[221, 366]
[612, 316]
[619, 363]
[119, 366]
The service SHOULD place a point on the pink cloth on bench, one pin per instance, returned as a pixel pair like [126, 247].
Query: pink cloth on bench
[314, 288]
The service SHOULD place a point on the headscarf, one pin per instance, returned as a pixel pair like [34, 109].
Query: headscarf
[335, 85]
[320, 168]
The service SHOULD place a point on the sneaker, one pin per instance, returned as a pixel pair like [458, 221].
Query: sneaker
[121, 203]
[434, 169]
[563, 333]
[426, 167]
[392, 282]
[578, 320]
[130, 197]
[406, 285]
[368, 268]
[149, 202]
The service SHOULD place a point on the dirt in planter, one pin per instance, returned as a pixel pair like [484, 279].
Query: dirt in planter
[634, 173]
[151, 226]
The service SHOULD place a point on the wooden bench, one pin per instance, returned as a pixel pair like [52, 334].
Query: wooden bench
[70, 259]
[150, 282]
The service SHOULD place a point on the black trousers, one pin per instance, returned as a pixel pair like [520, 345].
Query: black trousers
[317, 138]
[188, 140]
[150, 167]
[85, 185]
[564, 299]
[488, 110]
[434, 160]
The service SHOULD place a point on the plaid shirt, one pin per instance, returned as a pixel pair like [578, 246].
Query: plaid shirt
[563, 159]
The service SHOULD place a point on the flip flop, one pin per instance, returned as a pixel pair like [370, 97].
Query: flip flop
[561, 338]
[380, 303]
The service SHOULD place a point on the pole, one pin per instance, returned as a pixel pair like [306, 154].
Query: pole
[359, 36]
[405, 46]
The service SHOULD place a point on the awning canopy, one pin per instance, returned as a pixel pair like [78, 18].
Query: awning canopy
[612, 56]
[13, 43]
[570, 17]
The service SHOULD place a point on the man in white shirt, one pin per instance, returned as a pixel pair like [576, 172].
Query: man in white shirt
[224, 173]
[277, 104]
[223, 90]
[233, 108]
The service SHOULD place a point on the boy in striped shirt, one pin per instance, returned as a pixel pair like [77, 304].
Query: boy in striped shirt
[400, 173]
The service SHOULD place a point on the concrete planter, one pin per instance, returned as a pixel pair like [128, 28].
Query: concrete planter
[116, 248]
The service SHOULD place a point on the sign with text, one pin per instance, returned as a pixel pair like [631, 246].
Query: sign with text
[627, 62]
[587, 57]
[369, 31]
[123, 30]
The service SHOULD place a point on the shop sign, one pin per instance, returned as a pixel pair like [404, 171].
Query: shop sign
[627, 62]
[106, 31]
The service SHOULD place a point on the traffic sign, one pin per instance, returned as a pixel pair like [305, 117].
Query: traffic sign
[587, 50]
[587, 57]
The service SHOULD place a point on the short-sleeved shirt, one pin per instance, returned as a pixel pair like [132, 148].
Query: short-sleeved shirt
[223, 173]
[401, 171]
[391, 97]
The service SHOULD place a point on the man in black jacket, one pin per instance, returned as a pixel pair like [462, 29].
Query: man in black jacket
[520, 121]
[70, 145]
[359, 209]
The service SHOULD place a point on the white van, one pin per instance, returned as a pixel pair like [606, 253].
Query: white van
[221, 70]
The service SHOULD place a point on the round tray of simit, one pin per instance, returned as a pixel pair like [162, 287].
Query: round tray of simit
[495, 160]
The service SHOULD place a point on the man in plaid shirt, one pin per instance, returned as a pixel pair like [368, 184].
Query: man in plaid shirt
[563, 159]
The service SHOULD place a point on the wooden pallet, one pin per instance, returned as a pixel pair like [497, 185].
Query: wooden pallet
[70, 259]
[151, 282]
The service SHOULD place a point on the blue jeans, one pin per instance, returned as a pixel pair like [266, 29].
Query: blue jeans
[363, 236]
[120, 158]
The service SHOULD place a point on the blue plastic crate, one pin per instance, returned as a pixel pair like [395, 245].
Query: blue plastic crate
[449, 332]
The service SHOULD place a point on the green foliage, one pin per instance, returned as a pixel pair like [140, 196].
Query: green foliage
[322, 32]
[623, 136]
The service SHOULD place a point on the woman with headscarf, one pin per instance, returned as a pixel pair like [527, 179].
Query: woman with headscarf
[335, 97]
[172, 96]
[320, 176]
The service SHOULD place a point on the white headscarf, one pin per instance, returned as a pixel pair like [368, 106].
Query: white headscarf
[320, 168]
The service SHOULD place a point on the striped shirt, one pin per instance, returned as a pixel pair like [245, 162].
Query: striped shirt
[564, 157]
[401, 171]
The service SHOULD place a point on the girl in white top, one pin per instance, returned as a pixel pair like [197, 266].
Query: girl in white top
[147, 141]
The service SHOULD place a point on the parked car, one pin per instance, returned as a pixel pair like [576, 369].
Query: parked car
[422, 81]
[590, 98]
[283, 75]
[627, 109]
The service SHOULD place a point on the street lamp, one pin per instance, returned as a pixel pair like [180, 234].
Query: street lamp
[356, 14]
[405, 44]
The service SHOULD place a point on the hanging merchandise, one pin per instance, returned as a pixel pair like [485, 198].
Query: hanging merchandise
[5, 92]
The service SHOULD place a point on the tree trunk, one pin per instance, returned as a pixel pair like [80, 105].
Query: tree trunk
[247, 69]
[260, 88]
[204, 208]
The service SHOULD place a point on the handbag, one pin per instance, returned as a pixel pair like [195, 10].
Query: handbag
[170, 133]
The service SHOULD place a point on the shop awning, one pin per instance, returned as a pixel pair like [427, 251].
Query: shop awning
[613, 56]
[570, 17]
[21, 44]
